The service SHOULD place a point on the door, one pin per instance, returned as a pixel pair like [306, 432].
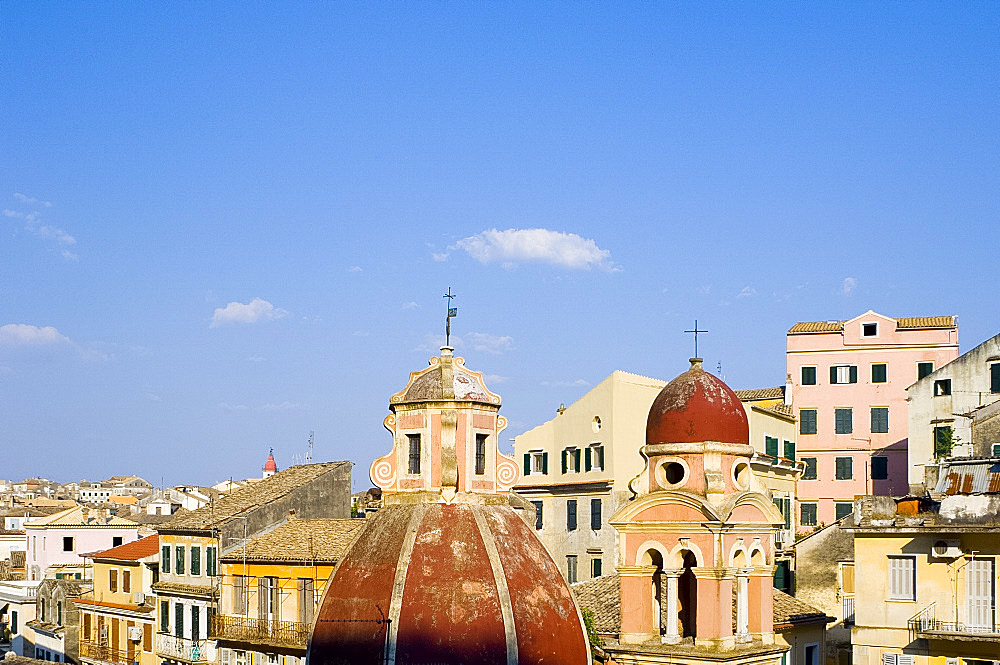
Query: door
[979, 594]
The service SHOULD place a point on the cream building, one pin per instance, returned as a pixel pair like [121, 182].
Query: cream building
[929, 588]
[576, 468]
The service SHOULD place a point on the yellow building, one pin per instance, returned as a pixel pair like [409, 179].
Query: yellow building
[118, 616]
[927, 579]
[271, 587]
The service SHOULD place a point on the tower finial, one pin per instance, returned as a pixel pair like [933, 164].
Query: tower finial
[452, 312]
[696, 331]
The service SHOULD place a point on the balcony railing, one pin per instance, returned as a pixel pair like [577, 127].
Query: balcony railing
[181, 648]
[848, 607]
[107, 654]
[259, 631]
[926, 624]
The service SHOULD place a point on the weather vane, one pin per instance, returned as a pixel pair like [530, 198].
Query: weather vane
[452, 312]
[696, 331]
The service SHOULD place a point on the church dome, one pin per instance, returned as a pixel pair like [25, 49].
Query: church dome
[447, 583]
[696, 407]
[270, 464]
[445, 379]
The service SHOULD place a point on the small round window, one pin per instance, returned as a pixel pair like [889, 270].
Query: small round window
[596, 424]
[671, 472]
[741, 475]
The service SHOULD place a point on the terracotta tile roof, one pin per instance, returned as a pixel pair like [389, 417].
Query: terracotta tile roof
[319, 540]
[782, 409]
[18, 558]
[251, 496]
[816, 327]
[114, 606]
[186, 589]
[137, 549]
[752, 394]
[926, 322]
[789, 610]
[74, 517]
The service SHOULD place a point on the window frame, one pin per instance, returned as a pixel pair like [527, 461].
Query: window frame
[883, 473]
[813, 421]
[865, 327]
[902, 576]
[480, 457]
[572, 568]
[881, 422]
[539, 514]
[942, 387]
[414, 454]
[837, 372]
[596, 514]
[924, 367]
[843, 420]
[884, 374]
[807, 375]
[813, 508]
[571, 515]
[813, 466]
[838, 464]
[839, 506]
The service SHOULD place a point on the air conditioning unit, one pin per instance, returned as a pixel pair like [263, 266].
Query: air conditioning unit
[135, 633]
[952, 661]
[139, 597]
[945, 549]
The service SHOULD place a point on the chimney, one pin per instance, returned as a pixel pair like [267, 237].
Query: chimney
[291, 514]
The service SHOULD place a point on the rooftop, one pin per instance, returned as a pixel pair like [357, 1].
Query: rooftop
[245, 498]
[80, 516]
[902, 323]
[754, 394]
[316, 541]
[134, 551]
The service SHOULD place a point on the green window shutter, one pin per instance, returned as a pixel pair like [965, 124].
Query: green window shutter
[790, 449]
[527, 464]
[564, 460]
[995, 378]
[854, 373]
[576, 460]
[833, 375]
[195, 560]
[165, 558]
[545, 462]
[164, 616]
[771, 445]
[587, 460]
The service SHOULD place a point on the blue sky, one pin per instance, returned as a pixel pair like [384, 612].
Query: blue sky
[224, 226]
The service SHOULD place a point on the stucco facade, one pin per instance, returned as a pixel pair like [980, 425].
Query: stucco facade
[943, 403]
[848, 382]
[63, 538]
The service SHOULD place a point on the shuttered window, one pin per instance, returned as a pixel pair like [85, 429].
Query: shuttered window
[923, 369]
[414, 459]
[843, 421]
[843, 509]
[880, 468]
[86, 627]
[807, 514]
[165, 558]
[195, 560]
[844, 374]
[480, 454]
[845, 468]
[538, 514]
[127, 581]
[195, 622]
[179, 619]
[979, 594]
[211, 561]
[902, 578]
[179, 559]
[879, 373]
[571, 514]
[147, 637]
[809, 376]
[306, 600]
[995, 378]
[164, 616]
[771, 445]
[810, 471]
[807, 421]
[880, 419]
[239, 594]
[789, 449]
[113, 580]
[595, 514]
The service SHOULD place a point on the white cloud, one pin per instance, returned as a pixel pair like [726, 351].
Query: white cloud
[747, 292]
[23, 334]
[256, 358]
[283, 406]
[31, 201]
[225, 406]
[355, 269]
[59, 235]
[360, 333]
[494, 378]
[513, 246]
[152, 397]
[847, 288]
[566, 384]
[256, 310]
[440, 257]
[410, 305]
[489, 343]
[69, 256]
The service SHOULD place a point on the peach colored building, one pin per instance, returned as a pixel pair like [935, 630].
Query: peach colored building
[848, 382]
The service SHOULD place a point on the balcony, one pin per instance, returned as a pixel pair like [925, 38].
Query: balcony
[258, 631]
[181, 648]
[847, 601]
[107, 654]
[926, 626]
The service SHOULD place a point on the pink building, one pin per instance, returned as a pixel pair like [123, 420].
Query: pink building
[59, 544]
[848, 384]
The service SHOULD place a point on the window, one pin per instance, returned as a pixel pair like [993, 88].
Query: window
[164, 616]
[995, 378]
[844, 374]
[810, 472]
[595, 457]
[195, 560]
[571, 568]
[843, 420]
[195, 622]
[127, 581]
[165, 558]
[59, 612]
[571, 460]
[307, 600]
[13, 622]
[923, 369]
[784, 506]
[595, 514]
[179, 619]
[869, 330]
[845, 470]
[771, 445]
[67, 543]
[538, 513]
[414, 465]
[942, 441]
[789, 449]
[179, 559]
[113, 580]
[809, 376]
[880, 419]
[879, 373]
[942, 387]
[596, 567]
[480, 454]
[147, 637]
[843, 509]
[880, 468]
[902, 578]
[996, 450]
[239, 594]
[536, 462]
[807, 514]
[571, 514]
[268, 606]
[211, 561]
[116, 541]
[807, 421]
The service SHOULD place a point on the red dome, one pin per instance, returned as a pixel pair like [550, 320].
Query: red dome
[270, 464]
[694, 407]
[436, 583]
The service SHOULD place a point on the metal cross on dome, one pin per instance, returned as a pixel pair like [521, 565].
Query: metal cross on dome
[695, 332]
[452, 312]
